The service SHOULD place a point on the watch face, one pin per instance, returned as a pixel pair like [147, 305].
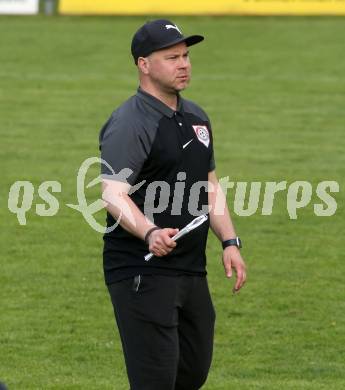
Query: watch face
[239, 242]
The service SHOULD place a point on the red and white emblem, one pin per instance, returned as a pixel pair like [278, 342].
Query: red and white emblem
[202, 134]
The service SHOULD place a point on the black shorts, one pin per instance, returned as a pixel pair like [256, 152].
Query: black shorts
[166, 325]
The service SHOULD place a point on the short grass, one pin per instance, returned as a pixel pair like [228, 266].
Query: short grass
[275, 91]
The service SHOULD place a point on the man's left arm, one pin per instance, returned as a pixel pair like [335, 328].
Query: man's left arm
[223, 228]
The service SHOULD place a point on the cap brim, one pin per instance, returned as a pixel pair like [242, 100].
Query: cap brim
[193, 40]
[190, 41]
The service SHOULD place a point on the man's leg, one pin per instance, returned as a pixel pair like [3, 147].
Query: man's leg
[195, 331]
[147, 320]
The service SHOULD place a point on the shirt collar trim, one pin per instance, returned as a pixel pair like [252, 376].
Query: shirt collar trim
[159, 105]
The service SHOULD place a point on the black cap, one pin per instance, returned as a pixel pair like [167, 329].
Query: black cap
[159, 34]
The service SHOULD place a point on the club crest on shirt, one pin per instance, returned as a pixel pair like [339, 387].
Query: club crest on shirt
[202, 134]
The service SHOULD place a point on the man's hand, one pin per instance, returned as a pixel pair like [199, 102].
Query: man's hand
[160, 242]
[233, 259]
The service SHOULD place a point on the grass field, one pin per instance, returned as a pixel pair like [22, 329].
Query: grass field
[275, 91]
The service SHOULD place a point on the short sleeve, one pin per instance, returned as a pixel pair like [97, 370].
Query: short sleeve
[124, 145]
[212, 164]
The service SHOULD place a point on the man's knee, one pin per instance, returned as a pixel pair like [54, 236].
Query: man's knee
[153, 384]
[192, 380]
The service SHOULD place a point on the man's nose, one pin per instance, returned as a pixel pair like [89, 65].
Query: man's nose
[184, 62]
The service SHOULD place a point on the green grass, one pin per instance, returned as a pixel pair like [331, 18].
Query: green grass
[274, 89]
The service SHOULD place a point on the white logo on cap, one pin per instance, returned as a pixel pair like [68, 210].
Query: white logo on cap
[168, 26]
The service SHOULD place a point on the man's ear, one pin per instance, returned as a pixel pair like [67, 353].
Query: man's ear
[143, 65]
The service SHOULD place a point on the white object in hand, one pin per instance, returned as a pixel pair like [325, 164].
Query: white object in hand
[191, 226]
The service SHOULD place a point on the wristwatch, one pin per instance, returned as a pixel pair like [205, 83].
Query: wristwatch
[232, 242]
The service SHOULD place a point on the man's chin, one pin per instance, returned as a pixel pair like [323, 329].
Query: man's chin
[182, 86]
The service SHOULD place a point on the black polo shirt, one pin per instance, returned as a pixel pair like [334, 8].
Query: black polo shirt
[157, 144]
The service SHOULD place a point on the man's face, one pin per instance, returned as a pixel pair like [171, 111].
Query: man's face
[170, 69]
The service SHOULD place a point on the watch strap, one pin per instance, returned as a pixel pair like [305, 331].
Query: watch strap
[232, 242]
[148, 233]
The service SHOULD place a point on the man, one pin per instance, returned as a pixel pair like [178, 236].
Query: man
[163, 308]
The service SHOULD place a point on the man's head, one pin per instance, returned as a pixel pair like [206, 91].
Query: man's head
[161, 53]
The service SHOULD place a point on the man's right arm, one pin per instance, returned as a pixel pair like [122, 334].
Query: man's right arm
[125, 211]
